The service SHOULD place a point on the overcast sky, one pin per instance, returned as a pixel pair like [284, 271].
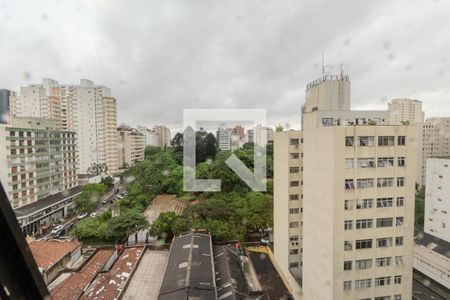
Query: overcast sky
[160, 57]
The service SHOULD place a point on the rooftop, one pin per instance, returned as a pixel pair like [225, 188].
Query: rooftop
[433, 243]
[189, 271]
[47, 253]
[109, 285]
[46, 202]
[73, 287]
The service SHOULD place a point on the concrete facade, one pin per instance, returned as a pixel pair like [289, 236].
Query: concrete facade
[437, 198]
[406, 111]
[163, 136]
[131, 146]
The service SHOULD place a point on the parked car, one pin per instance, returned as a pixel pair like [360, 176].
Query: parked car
[82, 216]
[105, 201]
[57, 229]
[94, 214]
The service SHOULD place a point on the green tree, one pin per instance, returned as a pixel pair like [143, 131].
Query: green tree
[419, 209]
[90, 229]
[124, 225]
[279, 128]
[210, 150]
[167, 225]
[108, 181]
[151, 150]
[177, 140]
[97, 169]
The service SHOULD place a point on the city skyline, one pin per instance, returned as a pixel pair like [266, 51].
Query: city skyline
[233, 64]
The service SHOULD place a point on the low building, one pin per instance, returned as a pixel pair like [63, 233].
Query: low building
[53, 256]
[131, 146]
[36, 217]
[432, 258]
[163, 136]
[437, 198]
[37, 160]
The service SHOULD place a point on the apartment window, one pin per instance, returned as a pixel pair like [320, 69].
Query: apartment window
[385, 182]
[401, 140]
[293, 265]
[348, 204]
[366, 162]
[364, 183]
[349, 184]
[293, 225]
[295, 155]
[384, 242]
[347, 265]
[384, 202]
[397, 297]
[293, 251]
[400, 161]
[363, 283]
[383, 261]
[399, 241]
[385, 141]
[294, 141]
[399, 221]
[384, 222]
[366, 141]
[400, 201]
[364, 223]
[363, 264]
[380, 281]
[293, 170]
[349, 163]
[327, 121]
[294, 238]
[347, 285]
[294, 210]
[364, 244]
[400, 181]
[348, 245]
[383, 298]
[398, 279]
[385, 162]
[364, 203]
[399, 261]
[348, 224]
[349, 140]
[294, 183]
[293, 197]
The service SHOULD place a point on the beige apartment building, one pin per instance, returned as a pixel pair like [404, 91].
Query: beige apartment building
[163, 136]
[405, 111]
[37, 159]
[355, 199]
[435, 139]
[86, 108]
[131, 146]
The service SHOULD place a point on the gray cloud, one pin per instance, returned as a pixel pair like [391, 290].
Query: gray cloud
[162, 56]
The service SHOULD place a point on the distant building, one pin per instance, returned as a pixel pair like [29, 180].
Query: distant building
[86, 108]
[163, 136]
[405, 111]
[131, 146]
[437, 198]
[151, 138]
[53, 256]
[435, 139]
[37, 160]
[224, 139]
[240, 131]
[260, 135]
[4, 104]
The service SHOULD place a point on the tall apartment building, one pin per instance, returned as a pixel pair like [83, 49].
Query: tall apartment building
[435, 139]
[150, 136]
[405, 111]
[224, 139]
[4, 104]
[437, 198]
[260, 135]
[85, 108]
[131, 146]
[163, 136]
[38, 160]
[353, 216]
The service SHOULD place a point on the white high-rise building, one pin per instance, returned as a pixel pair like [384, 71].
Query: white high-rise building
[131, 146]
[151, 138]
[224, 139]
[437, 198]
[344, 199]
[85, 108]
[163, 136]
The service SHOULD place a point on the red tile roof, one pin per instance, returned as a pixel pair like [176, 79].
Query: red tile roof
[47, 253]
[73, 286]
[109, 285]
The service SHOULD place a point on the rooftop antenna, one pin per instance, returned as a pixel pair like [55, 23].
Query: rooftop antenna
[323, 64]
